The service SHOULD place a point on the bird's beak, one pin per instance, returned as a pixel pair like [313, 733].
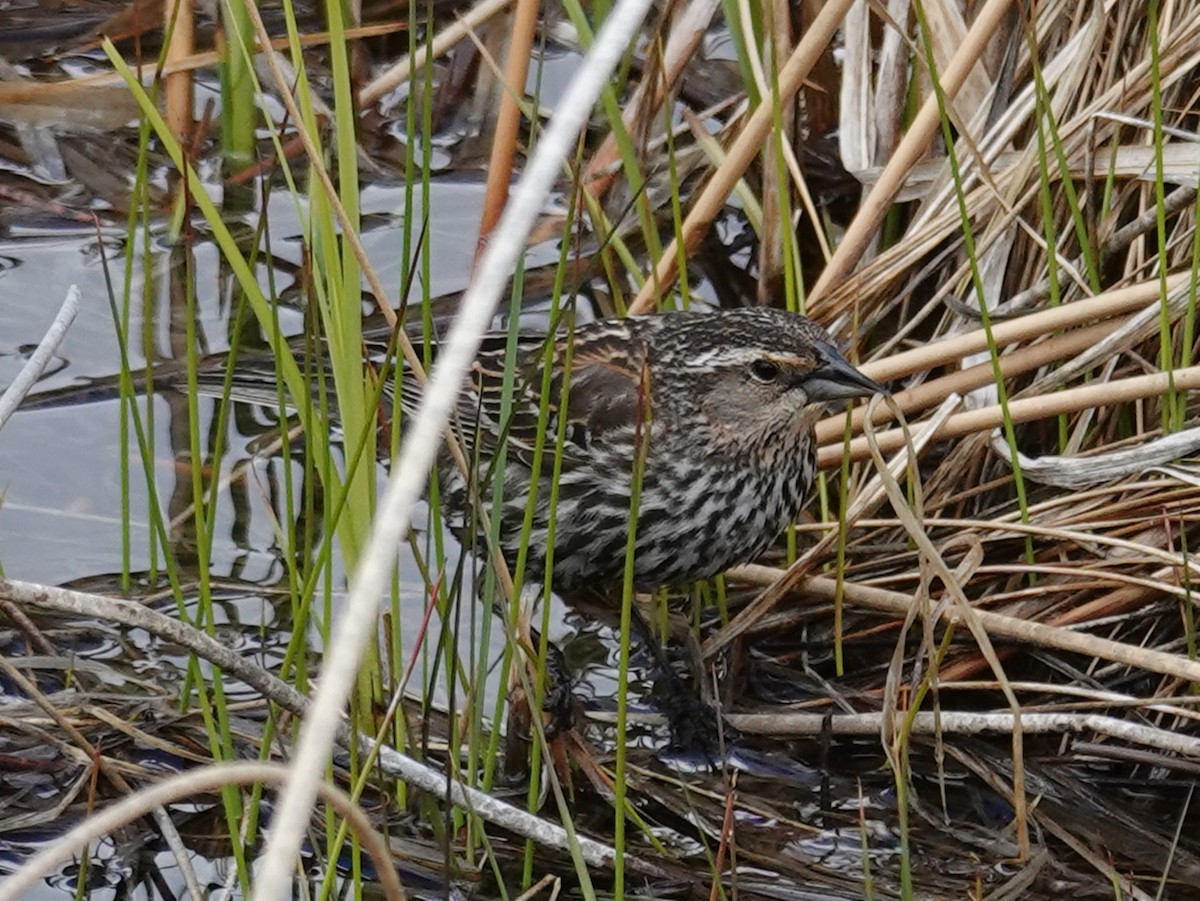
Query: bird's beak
[836, 379]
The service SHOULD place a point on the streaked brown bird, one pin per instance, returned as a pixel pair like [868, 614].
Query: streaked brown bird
[724, 404]
[715, 409]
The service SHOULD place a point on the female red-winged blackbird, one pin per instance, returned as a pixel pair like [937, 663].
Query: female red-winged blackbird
[717, 408]
[725, 403]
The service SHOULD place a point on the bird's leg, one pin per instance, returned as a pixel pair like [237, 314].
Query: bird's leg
[558, 701]
[694, 724]
[557, 708]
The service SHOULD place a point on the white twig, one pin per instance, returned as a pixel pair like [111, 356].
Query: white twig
[955, 722]
[945, 722]
[419, 447]
[32, 371]
[1082, 472]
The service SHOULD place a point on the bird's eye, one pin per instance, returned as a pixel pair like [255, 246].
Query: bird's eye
[764, 370]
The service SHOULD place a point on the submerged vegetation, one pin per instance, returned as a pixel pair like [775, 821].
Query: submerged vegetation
[969, 669]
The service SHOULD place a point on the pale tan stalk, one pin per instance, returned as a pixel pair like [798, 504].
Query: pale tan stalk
[442, 42]
[508, 119]
[1034, 325]
[1028, 409]
[687, 32]
[777, 46]
[179, 24]
[929, 394]
[1034, 633]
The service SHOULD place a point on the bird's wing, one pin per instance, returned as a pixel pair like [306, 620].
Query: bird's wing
[605, 391]
[480, 411]
[601, 389]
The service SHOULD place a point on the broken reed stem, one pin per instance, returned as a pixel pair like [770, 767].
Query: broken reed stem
[686, 35]
[445, 39]
[742, 153]
[1030, 327]
[862, 229]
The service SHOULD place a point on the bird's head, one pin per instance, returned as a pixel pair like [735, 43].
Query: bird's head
[754, 373]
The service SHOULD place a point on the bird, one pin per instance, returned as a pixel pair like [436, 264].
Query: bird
[710, 413]
[715, 408]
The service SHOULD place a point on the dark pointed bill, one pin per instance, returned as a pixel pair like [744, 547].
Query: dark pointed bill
[836, 379]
